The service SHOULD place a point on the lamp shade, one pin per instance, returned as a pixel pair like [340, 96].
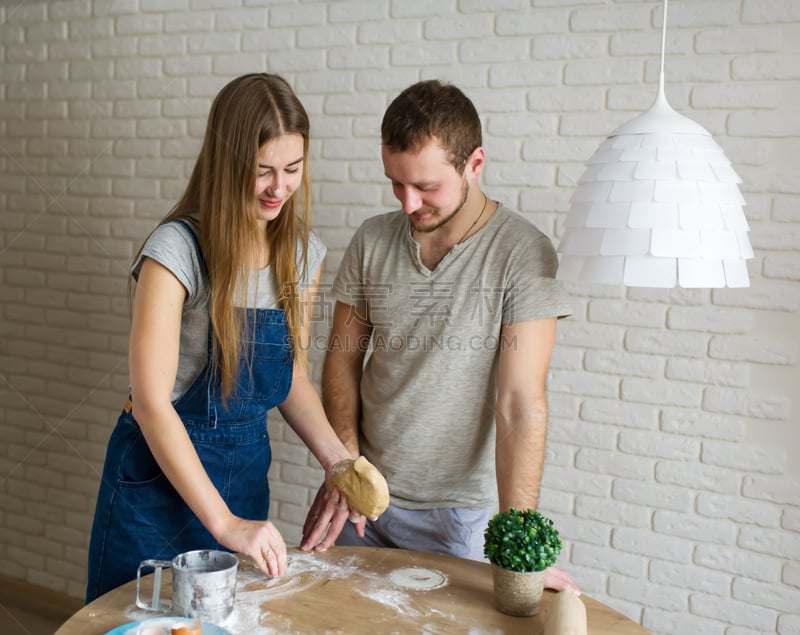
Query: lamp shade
[657, 206]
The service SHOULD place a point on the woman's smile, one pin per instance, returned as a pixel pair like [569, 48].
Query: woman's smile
[270, 204]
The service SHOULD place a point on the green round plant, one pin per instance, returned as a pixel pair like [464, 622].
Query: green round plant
[521, 540]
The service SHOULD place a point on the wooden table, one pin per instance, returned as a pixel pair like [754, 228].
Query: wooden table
[359, 590]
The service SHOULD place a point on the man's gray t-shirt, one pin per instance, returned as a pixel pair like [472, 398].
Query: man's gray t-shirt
[173, 246]
[429, 384]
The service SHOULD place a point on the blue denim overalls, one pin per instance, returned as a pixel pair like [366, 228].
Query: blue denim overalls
[139, 514]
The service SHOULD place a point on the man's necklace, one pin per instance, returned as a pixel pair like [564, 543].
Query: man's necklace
[475, 222]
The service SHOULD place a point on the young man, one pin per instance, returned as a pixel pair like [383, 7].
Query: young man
[442, 334]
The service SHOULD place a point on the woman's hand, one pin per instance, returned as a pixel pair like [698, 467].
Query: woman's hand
[328, 514]
[260, 540]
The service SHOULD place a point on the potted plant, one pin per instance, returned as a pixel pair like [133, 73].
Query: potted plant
[520, 545]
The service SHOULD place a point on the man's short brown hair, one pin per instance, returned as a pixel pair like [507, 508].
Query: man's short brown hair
[433, 110]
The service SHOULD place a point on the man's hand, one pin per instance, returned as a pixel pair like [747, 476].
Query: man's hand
[559, 580]
[328, 514]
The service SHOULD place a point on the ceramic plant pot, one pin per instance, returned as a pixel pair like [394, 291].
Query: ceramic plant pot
[517, 593]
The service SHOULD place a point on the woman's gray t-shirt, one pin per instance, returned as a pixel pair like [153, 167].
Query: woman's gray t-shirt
[173, 246]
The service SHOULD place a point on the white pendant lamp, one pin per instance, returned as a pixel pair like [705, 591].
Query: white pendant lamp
[658, 206]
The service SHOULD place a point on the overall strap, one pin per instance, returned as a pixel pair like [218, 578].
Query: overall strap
[208, 370]
[193, 233]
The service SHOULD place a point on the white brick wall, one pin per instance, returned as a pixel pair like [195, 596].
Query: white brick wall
[675, 423]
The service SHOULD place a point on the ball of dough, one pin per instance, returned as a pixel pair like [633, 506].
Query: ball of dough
[363, 484]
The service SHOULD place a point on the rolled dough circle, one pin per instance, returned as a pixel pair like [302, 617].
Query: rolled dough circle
[418, 578]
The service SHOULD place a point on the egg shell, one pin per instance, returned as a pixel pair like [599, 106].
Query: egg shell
[188, 628]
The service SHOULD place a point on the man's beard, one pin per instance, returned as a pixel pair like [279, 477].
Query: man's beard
[427, 229]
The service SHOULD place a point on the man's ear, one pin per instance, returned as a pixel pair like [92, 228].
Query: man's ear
[475, 163]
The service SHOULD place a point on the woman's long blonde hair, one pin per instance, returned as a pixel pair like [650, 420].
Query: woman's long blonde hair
[247, 113]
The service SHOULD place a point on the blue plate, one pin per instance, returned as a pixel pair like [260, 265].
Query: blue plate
[165, 623]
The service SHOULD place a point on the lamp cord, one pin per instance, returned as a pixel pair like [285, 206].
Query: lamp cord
[663, 48]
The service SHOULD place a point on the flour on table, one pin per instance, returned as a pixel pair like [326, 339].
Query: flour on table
[396, 592]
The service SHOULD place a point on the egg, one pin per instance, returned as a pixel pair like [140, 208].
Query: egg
[188, 628]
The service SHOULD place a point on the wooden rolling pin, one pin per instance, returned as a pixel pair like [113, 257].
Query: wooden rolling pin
[567, 617]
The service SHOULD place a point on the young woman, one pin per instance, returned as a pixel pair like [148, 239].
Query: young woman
[218, 318]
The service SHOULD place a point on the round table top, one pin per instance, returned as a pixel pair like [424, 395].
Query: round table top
[358, 589]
